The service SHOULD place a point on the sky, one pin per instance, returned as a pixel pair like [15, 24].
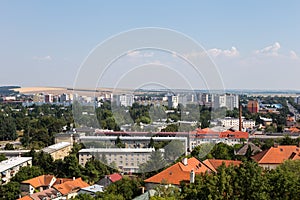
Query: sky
[253, 44]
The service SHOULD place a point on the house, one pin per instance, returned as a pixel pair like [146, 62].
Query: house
[271, 158]
[91, 190]
[9, 168]
[185, 171]
[69, 189]
[109, 179]
[39, 183]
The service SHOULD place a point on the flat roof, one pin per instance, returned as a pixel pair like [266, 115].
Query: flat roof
[93, 188]
[56, 147]
[130, 138]
[118, 150]
[12, 162]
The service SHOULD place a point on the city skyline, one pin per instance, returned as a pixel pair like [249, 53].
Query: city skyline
[254, 45]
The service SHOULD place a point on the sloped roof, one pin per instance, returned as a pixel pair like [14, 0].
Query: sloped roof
[234, 134]
[253, 147]
[43, 180]
[25, 198]
[213, 164]
[115, 177]
[70, 186]
[277, 155]
[45, 194]
[178, 172]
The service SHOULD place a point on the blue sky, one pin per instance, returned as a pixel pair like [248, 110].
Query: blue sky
[44, 42]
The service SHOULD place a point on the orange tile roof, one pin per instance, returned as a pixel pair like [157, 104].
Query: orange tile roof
[25, 198]
[213, 164]
[294, 130]
[178, 172]
[43, 180]
[277, 155]
[234, 134]
[70, 186]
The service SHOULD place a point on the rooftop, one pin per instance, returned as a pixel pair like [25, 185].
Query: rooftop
[71, 186]
[56, 147]
[12, 162]
[93, 188]
[277, 155]
[118, 150]
[43, 180]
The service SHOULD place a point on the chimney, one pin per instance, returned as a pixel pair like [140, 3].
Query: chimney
[73, 178]
[185, 161]
[240, 118]
[192, 176]
[275, 144]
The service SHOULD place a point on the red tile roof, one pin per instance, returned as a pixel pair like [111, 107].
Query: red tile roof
[25, 198]
[43, 180]
[234, 134]
[213, 164]
[178, 172]
[277, 155]
[114, 177]
[71, 186]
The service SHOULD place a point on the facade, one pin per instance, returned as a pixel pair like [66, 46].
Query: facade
[125, 100]
[59, 150]
[253, 106]
[9, 168]
[173, 101]
[129, 141]
[234, 122]
[230, 101]
[125, 159]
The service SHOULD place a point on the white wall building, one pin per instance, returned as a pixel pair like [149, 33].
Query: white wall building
[9, 168]
[126, 159]
[173, 101]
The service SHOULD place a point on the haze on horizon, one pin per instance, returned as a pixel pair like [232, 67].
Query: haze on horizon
[255, 45]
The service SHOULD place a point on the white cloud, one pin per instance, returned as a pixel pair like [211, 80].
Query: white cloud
[271, 50]
[139, 54]
[293, 55]
[233, 52]
[42, 58]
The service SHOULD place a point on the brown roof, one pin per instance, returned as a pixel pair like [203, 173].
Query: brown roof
[70, 186]
[25, 198]
[213, 164]
[178, 172]
[277, 155]
[43, 180]
[48, 194]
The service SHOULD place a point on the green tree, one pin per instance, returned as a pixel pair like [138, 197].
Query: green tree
[2, 157]
[26, 173]
[9, 146]
[10, 191]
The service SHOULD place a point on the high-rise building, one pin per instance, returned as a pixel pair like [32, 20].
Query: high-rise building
[173, 101]
[125, 100]
[253, 106]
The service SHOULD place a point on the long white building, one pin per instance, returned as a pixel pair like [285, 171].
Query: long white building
[125, 159]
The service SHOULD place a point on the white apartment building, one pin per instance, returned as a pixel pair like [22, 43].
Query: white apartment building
[234, 122]
[124, 100]
[126, 159]
[9, 168]
[173, 101]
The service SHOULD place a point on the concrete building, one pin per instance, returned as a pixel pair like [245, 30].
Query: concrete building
[129, 141]
[230, 101]
[124, 100]
[9, 168]
[234, 122]
[125, 159]
[173, 101]
[59, 150]
[253, 106]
